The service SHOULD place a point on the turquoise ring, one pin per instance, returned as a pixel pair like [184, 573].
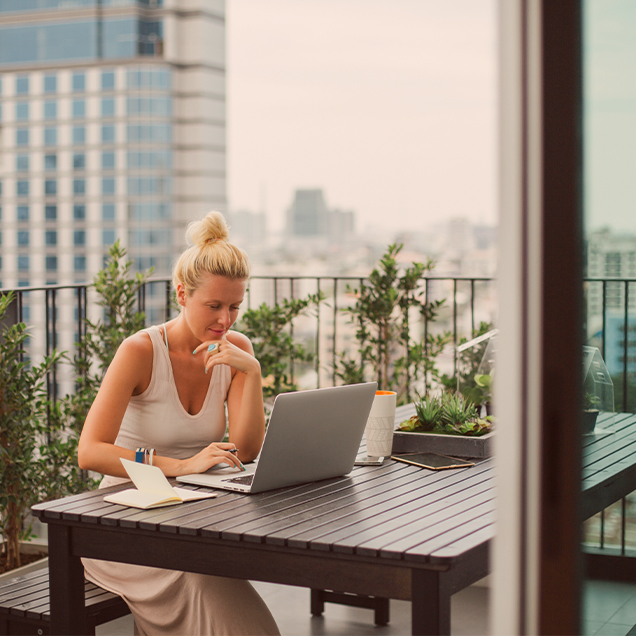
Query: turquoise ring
[212, 346]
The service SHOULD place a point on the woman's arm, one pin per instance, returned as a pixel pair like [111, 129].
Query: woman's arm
[245, 397]
[129, 374]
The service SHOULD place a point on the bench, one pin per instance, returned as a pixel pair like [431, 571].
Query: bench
[24, 605]
[380, 606]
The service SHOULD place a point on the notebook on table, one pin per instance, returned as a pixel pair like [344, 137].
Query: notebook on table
[311, 435]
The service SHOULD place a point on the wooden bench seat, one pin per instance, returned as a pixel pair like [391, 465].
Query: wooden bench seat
[24, 605]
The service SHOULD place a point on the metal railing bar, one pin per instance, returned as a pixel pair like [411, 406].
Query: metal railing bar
[335, 326]
[317, 364]
[291, 334]
[625, 342]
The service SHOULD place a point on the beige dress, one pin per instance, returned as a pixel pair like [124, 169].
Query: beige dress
[168, 601]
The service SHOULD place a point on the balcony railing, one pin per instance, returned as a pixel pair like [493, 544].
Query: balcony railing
[58, 314]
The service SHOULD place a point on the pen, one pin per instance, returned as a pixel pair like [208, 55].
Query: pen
[233, 450]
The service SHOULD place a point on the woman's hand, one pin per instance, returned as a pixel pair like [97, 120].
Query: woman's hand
[212, 455]
[224, 352]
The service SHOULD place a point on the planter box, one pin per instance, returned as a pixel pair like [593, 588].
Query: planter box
[453, 445]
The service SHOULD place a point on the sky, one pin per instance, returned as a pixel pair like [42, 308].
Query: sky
[609, 107]
[389, 106]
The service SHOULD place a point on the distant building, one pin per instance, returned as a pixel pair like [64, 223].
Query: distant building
[309, 217]
[341, 225]
[609, 255]
[308, 214]
[112, 114]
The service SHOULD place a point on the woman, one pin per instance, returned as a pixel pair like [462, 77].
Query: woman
[166, 390]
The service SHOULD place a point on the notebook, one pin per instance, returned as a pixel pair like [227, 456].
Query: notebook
[152, 490]
[311, 435]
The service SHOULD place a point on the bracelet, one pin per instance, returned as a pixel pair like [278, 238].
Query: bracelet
[151, 452]
[139, 455]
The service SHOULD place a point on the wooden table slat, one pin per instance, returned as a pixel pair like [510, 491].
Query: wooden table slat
[461, 524]
[342, 521]
[371, 539]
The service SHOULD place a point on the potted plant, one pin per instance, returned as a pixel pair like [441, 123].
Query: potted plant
[480, 393]
[447, 423]
[24, 433]
[382, 310]
[590, 412]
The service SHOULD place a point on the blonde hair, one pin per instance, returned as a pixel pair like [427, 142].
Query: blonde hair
[210, 252]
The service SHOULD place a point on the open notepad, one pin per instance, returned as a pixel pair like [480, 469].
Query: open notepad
[153, 489]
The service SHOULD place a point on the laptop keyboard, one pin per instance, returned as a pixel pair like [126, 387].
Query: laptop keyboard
[246, 480]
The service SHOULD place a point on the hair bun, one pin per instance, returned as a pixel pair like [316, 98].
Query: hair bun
[211, 228]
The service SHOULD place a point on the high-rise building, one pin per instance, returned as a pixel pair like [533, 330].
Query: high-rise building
[112, 125]
[308, 214]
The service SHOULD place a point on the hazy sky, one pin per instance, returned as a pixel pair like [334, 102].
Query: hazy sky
[388, 105]
[610, 114]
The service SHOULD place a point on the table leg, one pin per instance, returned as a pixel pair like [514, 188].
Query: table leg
[430, 604]
[66, 584]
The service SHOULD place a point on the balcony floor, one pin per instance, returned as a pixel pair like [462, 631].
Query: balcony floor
[290, 606]
[609, 610]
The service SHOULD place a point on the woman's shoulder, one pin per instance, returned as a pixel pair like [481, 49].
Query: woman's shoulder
[240, 340]
[139, 344]
[136, 351]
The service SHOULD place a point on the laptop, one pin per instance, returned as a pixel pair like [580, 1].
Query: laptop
[311, 435]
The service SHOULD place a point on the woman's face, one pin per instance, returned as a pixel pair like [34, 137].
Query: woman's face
[213, 307]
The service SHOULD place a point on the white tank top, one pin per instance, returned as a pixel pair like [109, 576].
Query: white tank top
[156, 418]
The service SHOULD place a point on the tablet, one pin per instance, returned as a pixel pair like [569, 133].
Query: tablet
[432, 461]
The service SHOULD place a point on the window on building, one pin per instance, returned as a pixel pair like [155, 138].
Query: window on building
[79, 263]
[157, 133]
[22, 137]
[148, 77]
[22, 85]
[23, 265]
[108, 212]
[79, 134]
[50, 187]
[22, 213]
[108, 133]
[108, 185]
[79, 186]
[613, 264]
[108, 107]
[79, 212]
[108, 237]
[79, 108]
[108, 80]
[50, 110]
[23, 238]
[108, 160]
[22, 188]
[22, 111]
[50, 212]
[22, 163]
[50, 262]
[50, 83]
[79, 82]
[50, 237]
[79, 161]
[50, 136]
[79, 237]
[50, 162]
[154, 106]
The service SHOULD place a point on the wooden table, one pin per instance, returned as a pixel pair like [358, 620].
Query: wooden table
[394, 531]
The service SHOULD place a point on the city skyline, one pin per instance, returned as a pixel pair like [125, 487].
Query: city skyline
[384, 106]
